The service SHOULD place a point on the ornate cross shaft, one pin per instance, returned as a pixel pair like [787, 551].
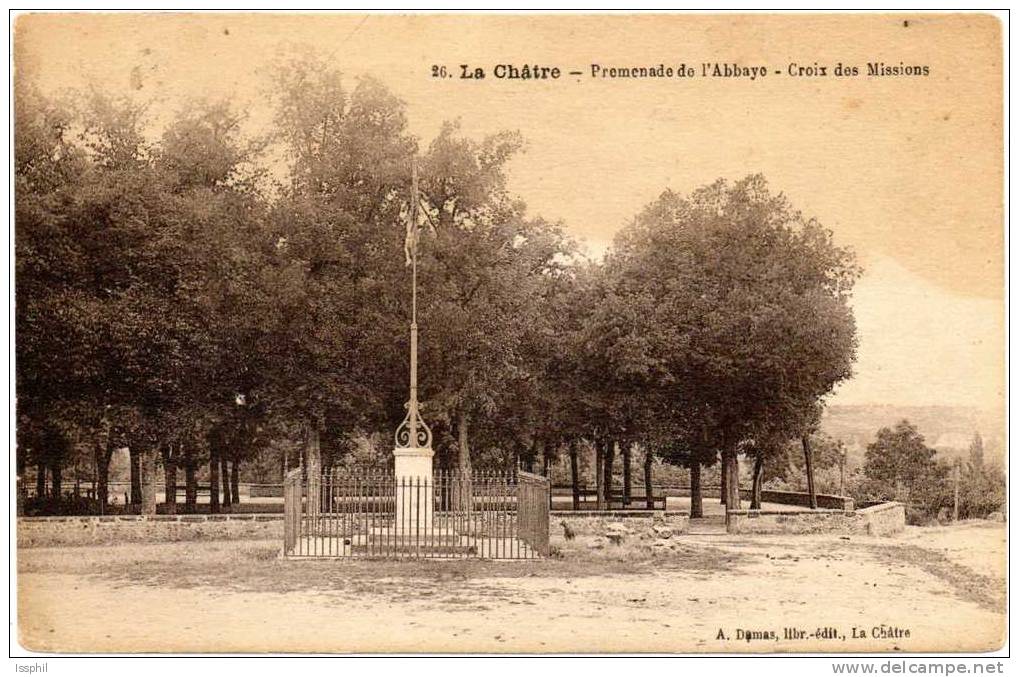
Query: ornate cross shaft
[413, 432]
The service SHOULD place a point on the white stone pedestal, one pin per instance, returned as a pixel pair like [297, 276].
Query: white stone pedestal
[415, 489]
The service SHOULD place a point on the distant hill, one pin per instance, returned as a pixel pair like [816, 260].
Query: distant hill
[946, 428]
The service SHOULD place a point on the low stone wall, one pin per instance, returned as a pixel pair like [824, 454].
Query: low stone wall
[776, 522]
[248, 508]
[597, 523]
[801, 498]
[41, 532]
[36, 532]
[885, 519]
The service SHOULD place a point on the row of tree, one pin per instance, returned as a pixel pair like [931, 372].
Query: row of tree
[199, 295]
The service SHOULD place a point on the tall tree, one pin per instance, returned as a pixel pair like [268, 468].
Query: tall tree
[483, 278]
[899, 463]
[742, 304]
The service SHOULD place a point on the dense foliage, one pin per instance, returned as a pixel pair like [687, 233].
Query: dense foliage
[211, 300]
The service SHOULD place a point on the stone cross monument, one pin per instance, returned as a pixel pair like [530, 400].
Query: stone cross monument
[413, 451]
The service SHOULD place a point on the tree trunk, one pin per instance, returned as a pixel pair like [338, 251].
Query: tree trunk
[314, 471]
[696, 497]
[574, 475]
[649, 459]
[103, 451]
[627, 448]
[609, 462]
[77, 461]
[190, 481]
[224, 476]
[734, 481]
[724, 480]
[730, 469]
[235, 481]
[136, 474]
[148, 481]
[170, 483]
[755, 492]
[214, 477]
[463, 460]
[805, 440]
[40, 480]
[56, 478]
[462, 496]
[169, 478]
[599, 475]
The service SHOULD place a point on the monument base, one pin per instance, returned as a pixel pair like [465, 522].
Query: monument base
[415, 489]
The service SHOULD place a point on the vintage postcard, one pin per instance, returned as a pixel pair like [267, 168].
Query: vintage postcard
[509, 333]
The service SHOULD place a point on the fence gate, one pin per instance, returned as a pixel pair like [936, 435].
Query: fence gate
[492, 515]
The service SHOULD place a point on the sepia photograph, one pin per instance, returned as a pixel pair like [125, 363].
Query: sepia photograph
[508, 333]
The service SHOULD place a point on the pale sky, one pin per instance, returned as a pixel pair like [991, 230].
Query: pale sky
[907, 171]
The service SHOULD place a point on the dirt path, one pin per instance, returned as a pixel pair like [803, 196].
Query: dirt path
[706, 597]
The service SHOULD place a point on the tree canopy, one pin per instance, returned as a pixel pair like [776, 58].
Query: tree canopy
[214, 295]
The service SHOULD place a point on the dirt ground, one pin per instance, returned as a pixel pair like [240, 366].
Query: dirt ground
[931, 589]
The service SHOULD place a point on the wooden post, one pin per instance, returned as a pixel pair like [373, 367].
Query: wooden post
[842, 473]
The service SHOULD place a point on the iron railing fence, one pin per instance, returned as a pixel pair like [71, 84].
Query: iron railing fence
[492, 515]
